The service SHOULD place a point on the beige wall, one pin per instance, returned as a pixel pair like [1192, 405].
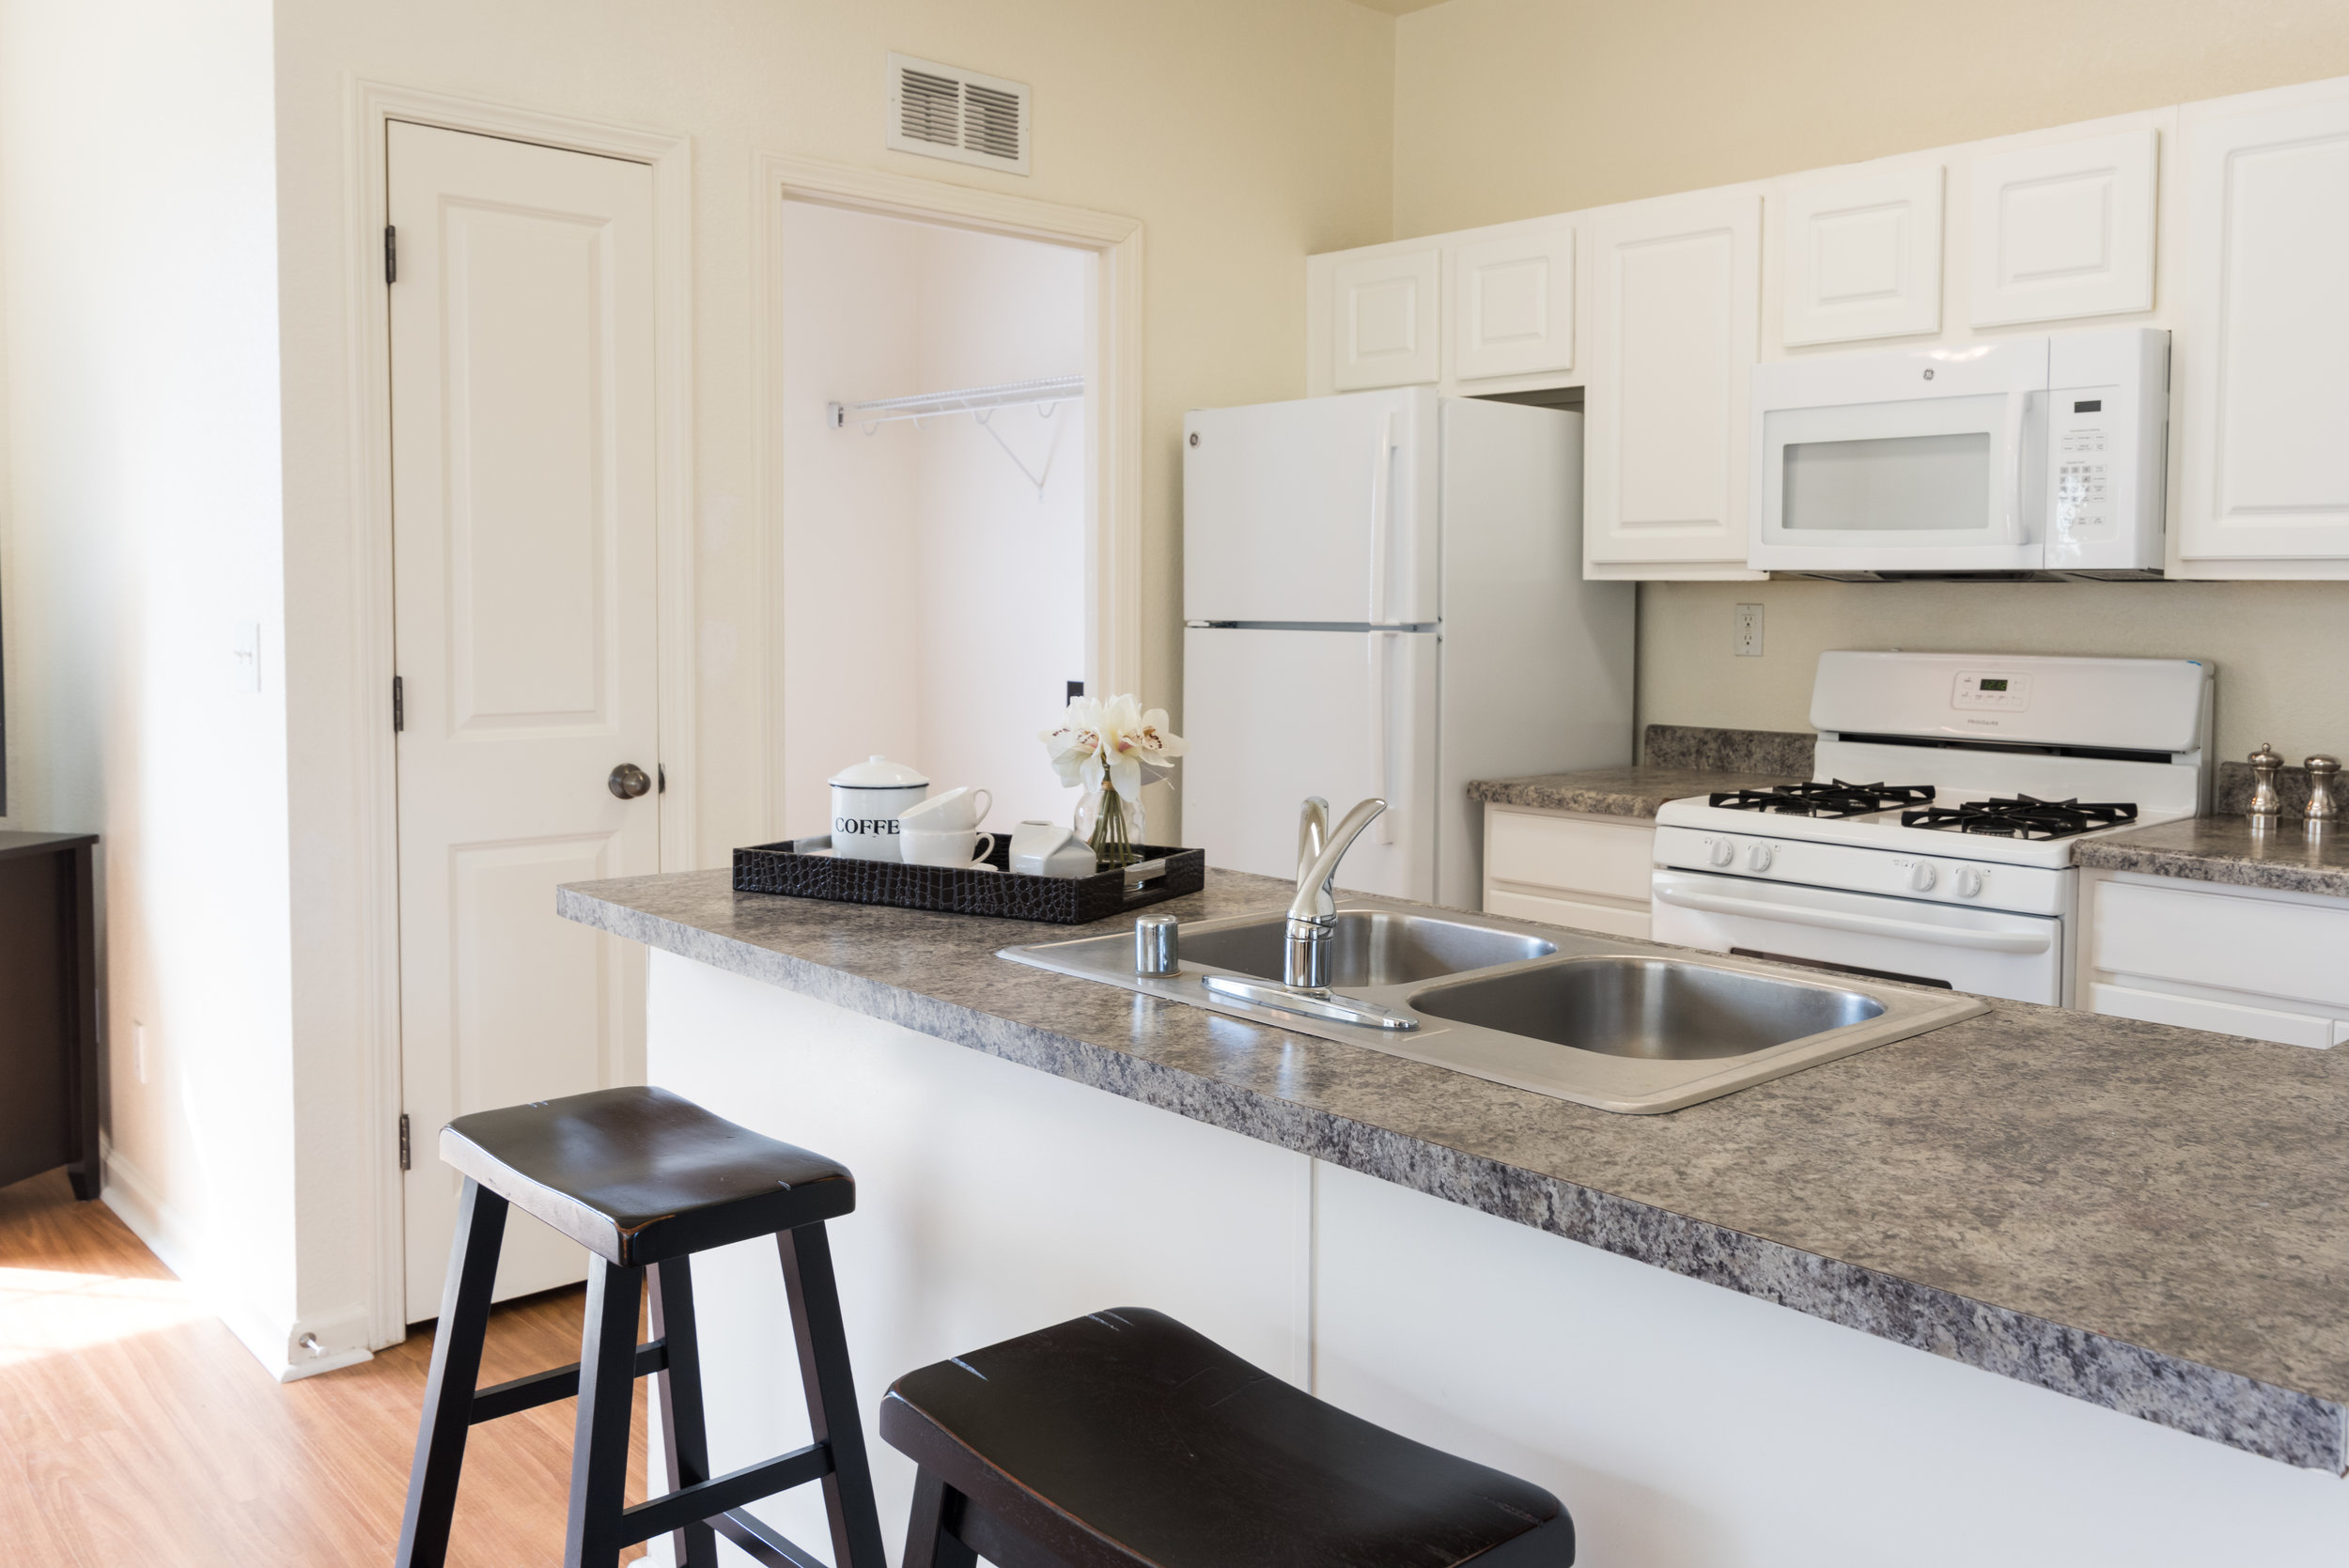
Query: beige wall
[1243, 135]
[1512, 108]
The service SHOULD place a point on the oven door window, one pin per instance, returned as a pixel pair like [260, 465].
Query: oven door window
[1924, 473]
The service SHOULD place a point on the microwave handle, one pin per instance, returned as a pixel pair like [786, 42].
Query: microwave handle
[1834, 920]
[2017, 419]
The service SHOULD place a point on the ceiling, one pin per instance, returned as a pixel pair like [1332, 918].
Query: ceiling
[1398, 7]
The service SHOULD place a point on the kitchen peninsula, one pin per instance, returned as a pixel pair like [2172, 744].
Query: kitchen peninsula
[2148, 1221]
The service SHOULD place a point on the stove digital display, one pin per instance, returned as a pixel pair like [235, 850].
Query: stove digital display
[1994, 683]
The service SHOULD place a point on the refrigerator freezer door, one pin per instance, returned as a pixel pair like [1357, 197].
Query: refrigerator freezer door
[1321, 511]
[1274, 716]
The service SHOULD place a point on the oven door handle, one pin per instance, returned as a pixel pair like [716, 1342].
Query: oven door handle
[1873, 925]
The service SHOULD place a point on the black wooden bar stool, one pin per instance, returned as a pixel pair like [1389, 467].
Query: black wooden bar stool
[1126, 1440]
[643, 1179]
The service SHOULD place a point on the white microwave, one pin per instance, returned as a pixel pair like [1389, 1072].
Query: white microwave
[2017, 456]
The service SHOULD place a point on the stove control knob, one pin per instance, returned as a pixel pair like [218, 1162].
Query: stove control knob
[1923, 876]
[1722, 853]
[1758, 857]
[1968, 883]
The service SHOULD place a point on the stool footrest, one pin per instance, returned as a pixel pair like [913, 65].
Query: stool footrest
[545, 1388]
[762, 1543]
[705, 1501]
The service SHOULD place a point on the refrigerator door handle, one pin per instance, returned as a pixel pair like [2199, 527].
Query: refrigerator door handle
[1381, 517]
[1381, 730]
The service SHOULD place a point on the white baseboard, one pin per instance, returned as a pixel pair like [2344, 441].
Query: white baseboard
[273, 1338]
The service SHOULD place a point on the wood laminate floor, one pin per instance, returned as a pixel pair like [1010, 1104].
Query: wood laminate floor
[135, 1430]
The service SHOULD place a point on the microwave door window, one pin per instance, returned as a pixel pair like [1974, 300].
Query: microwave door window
[1923, 484]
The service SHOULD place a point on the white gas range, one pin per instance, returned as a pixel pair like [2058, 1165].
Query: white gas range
[1935, 843]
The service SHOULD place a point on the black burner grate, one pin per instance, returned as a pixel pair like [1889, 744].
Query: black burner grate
[2022, 816]
[1837, 798]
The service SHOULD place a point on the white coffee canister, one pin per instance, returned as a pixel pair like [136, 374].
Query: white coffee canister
[865, 800]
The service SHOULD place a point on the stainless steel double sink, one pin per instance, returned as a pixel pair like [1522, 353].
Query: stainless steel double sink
[1620, 1025]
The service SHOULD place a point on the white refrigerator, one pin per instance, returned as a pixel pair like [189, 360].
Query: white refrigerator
[1383, 595]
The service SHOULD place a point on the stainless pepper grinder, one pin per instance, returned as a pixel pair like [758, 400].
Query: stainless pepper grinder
[2267, 804]
[2322, 810]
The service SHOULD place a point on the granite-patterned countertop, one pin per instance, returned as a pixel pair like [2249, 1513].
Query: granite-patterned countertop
[2150, 1219]
[1681, 760]
[2228, 849]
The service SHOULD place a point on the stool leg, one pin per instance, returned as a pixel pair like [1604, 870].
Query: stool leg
[607, 1392]
[930, 1539]
[832, 1408]
[685, 1436]
[473, 1269]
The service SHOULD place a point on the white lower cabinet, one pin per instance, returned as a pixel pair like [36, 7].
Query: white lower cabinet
[2232, 960]
[1588, 872]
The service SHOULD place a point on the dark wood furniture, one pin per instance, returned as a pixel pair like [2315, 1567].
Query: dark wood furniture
[1124, 1439]
[643, 1179]
[49, 1048]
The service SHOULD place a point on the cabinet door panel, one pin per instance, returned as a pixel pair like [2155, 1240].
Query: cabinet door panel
[2065, 231]
[1678, 308]
[2220, 1018]
[1569, 854]
[1385, 326]
[2266, 472]
[1513, 304]
[1863, 257]
[2264, 947]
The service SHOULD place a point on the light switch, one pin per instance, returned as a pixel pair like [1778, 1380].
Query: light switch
[247, 652]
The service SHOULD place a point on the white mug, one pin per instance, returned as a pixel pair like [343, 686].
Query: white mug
[954, 846]
[865, 800]
[958, 808]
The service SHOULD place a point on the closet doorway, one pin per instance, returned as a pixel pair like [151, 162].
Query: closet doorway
[934, 598]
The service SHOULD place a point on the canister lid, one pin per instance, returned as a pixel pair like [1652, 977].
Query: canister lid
[878, 772]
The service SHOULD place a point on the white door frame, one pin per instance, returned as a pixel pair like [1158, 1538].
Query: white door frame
[370, 106]
[1112, 408]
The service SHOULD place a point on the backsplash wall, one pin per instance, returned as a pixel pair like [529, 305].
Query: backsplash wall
[2280, 646]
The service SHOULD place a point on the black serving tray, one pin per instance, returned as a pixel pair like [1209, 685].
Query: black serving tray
[803, 868]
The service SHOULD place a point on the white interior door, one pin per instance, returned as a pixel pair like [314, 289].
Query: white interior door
[522, 531]
[1274, 716]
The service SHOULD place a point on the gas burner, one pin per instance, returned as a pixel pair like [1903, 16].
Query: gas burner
[2021, 817]
[1822, 800]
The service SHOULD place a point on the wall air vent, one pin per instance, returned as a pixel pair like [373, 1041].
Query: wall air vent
[946, 112]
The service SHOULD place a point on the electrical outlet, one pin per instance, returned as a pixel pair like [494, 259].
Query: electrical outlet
[1749, 632]
[138, 1051]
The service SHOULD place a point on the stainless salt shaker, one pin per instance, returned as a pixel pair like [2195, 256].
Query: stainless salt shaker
[1157, 949]
[2266, 804]
[2321, 809]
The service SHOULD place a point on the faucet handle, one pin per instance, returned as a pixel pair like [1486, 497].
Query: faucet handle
[1313, 831]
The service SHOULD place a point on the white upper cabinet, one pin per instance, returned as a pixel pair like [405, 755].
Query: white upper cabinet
[2266, 332]
[1863, 256]
[2064, 230]
[1676, 304]
[1384, 320]
[1512, 303]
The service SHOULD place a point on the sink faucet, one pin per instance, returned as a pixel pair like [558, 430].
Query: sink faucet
[1311, 925]
[1314, 913]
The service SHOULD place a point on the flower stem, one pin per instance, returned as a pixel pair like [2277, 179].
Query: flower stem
[1113, 847]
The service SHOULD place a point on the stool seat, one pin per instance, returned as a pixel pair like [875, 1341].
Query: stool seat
[637, 1175]
[1125, 1437]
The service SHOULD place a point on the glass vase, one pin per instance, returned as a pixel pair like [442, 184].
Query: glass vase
[1114, 826]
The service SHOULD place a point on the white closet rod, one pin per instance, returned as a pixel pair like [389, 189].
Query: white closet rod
[977, 399]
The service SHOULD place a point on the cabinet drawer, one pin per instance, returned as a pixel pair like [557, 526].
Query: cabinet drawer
[1613, 921]
[1570, 854]
[2239, 944]
[2220, 1018]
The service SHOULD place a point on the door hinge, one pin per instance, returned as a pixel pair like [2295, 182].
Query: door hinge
[391, 253]
[399, 705]
[403, 1140]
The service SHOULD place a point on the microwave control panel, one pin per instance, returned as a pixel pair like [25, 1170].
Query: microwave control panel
[2080, 443]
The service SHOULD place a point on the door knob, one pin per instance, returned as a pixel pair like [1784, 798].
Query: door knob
[628, 780]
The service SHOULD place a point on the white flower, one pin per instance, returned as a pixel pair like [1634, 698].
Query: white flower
[1111, 742]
